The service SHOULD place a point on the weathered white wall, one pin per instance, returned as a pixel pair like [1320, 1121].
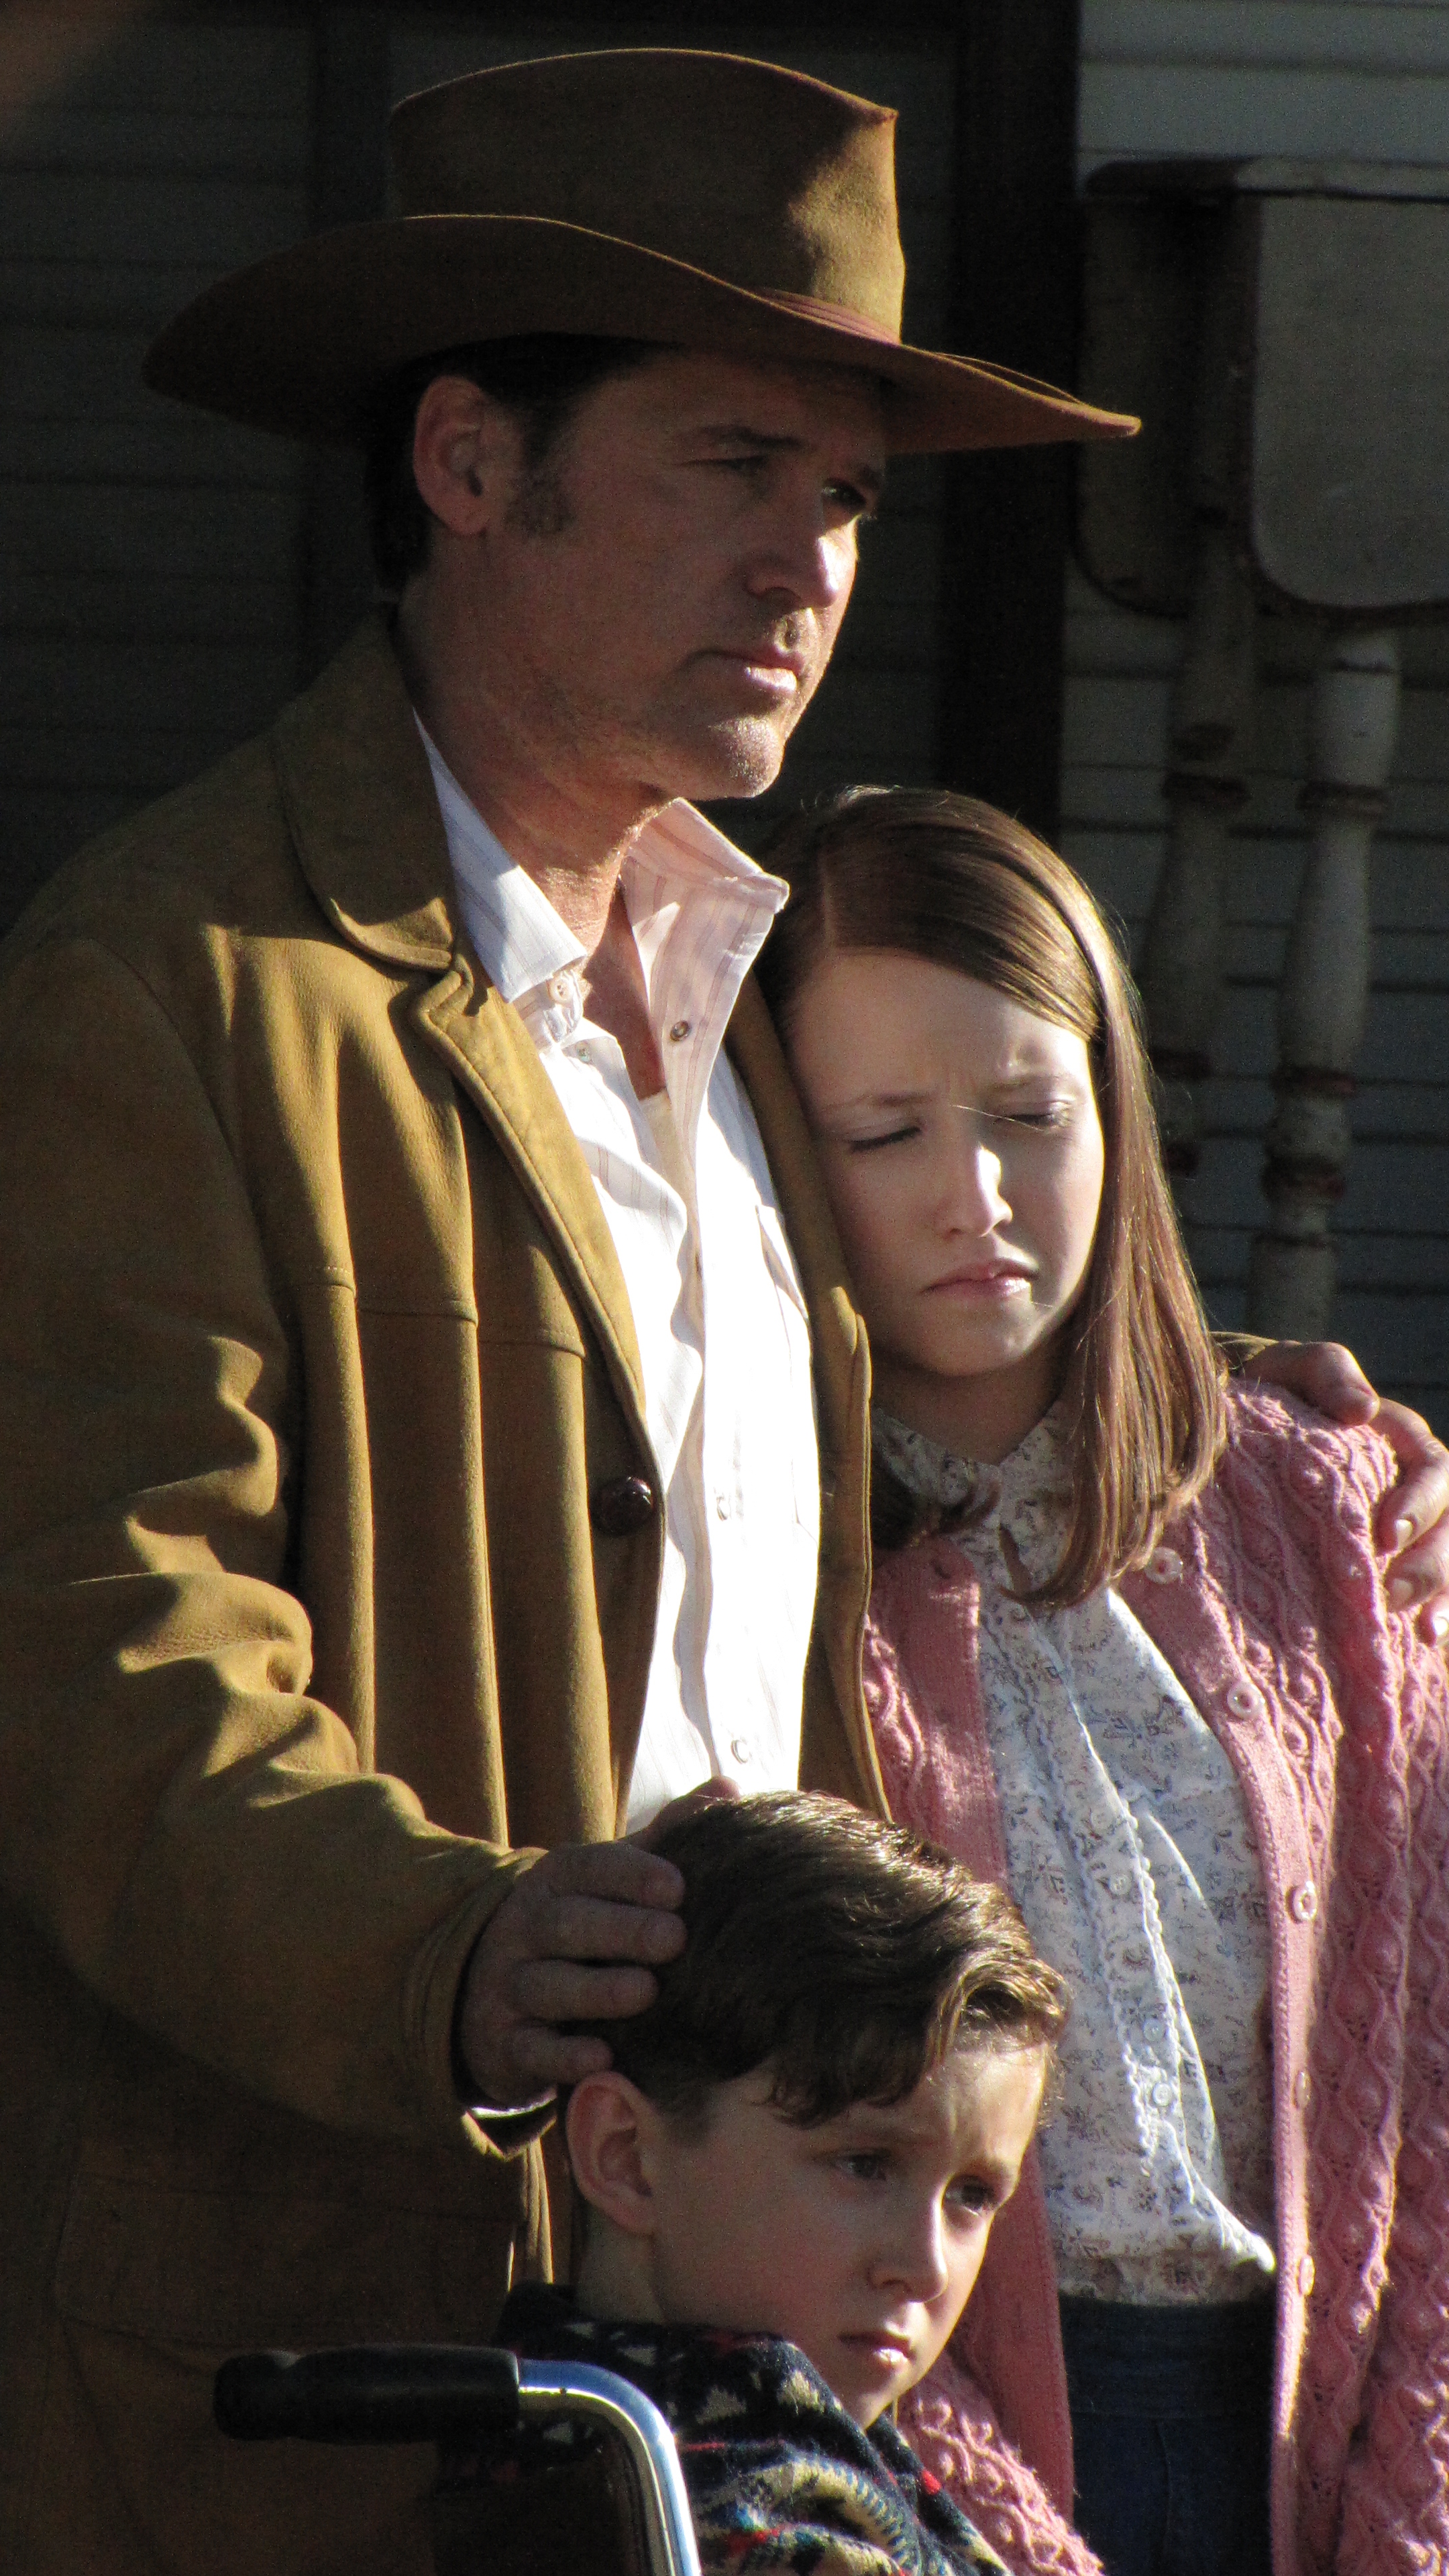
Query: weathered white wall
[1367, 82]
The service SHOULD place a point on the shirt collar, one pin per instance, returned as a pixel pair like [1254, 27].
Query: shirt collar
[1028, 1492]
[531, 955]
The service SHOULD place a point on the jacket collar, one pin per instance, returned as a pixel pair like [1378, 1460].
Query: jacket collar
[360, 804]
[363, 814]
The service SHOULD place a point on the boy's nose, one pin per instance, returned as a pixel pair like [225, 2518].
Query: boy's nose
[914, 2253]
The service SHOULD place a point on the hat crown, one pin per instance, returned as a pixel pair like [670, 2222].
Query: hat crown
[766, 178]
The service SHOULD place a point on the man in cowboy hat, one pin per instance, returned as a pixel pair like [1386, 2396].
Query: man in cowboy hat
[377, 1546]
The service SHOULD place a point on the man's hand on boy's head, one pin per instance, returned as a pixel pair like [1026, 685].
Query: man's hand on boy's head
[573, 1940]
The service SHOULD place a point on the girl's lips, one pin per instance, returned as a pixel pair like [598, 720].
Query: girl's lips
[1002, 1279]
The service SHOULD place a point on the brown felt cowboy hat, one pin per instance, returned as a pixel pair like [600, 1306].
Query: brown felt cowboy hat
[697, 200]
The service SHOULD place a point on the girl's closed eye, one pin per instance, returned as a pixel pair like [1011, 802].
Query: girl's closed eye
[891, 1136]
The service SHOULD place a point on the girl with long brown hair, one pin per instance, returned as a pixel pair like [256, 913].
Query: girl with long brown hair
[1130, 1653]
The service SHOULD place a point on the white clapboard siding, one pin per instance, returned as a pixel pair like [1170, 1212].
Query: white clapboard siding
[876, 716]
[149, 558]
[1365, 82]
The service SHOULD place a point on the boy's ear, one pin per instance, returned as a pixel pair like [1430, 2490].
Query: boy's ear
[610, 2127]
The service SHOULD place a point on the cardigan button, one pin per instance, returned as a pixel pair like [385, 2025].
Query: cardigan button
[1164, 1566]
[621, 1505]
[1243, 1700]
[1302, 2087]
[1303, 1902]
[1304, 2275]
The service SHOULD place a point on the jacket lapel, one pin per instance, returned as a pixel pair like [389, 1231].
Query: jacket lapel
[358, 794]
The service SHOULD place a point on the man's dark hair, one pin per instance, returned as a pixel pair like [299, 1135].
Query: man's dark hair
[540, 377]
[841, 1953]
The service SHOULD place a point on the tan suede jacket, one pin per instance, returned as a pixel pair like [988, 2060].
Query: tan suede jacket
[313, 1346]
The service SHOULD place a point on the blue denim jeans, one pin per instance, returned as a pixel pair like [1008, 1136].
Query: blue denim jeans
[1170, 2429]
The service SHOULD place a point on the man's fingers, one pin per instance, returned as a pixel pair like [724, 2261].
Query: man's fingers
[586, 1927]
[571, 1941]
[1324, 1374]
[683, 1810]
[555, 1990]
[624, 1872]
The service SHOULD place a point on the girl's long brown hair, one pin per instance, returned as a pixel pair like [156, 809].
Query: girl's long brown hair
[952, 881]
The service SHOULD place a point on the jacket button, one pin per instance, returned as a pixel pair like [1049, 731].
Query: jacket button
[1243, 1700]
[621, 1505]
[1303, 1902]
[1302, 2087]
[1164, 1566]
[1304, 2275]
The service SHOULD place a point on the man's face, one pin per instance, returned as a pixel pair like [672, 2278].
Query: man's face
[860, 2239]
[655, 611]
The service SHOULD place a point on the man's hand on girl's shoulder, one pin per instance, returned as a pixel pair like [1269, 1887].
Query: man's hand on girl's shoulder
[1413, 1518]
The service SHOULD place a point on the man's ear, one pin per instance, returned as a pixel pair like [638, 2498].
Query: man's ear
[610, 2127]
[466, 454]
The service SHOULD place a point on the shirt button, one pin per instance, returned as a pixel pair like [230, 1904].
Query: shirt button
[621, 1505]
[1164, 1566]
[1303, 1902]
[1302, 2086]
[740, 1748]
[1304, 2275]
[1161, 2094]
[1119, 1882]
[679, 1032]
[1243, 1700]
[561, 987]
[1101, 1819]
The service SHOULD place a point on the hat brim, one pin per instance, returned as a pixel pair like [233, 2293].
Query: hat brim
[300, 343]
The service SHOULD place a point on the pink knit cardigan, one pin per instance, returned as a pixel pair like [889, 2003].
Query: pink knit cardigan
[1268, 1603]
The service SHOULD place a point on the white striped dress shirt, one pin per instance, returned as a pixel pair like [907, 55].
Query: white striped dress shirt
[718, 1311]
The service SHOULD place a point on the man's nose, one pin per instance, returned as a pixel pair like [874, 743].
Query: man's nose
[805, 558]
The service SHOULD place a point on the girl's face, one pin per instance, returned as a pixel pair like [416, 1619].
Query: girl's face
[962, 1153]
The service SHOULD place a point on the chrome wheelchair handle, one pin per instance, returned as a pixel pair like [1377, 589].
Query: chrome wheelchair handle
[602, 2397]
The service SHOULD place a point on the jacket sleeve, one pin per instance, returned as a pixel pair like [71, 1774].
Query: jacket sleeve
[950, 2424]
[197, 1836]
[1396, 2483]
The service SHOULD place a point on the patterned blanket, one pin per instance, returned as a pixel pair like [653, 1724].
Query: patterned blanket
[779, 2475]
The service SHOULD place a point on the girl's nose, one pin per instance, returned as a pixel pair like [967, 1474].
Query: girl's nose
[973, 1197]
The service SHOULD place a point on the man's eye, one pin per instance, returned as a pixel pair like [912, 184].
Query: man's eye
[850, 500]
[864, 2164]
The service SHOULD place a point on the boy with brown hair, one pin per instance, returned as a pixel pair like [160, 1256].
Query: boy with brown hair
[790, 2171]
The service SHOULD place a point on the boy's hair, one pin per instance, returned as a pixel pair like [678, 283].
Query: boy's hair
[942, 877]
[841, 1953]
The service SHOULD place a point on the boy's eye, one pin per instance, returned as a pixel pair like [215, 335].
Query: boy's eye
[864, 2164]
[970, 2193]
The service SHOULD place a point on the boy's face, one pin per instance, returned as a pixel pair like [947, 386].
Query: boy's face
[859, 2240]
